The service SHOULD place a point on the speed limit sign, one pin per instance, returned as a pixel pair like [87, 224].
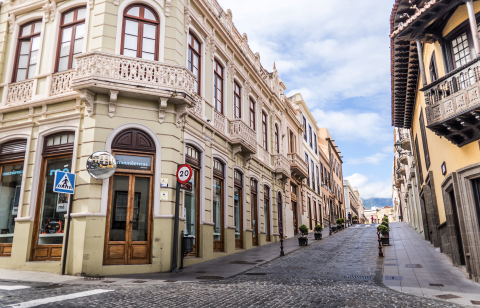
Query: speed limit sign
[184, 174]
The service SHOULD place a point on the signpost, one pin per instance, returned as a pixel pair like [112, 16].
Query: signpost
[184, 174]
[64, 183]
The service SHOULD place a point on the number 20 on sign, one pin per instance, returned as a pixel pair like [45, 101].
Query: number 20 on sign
[184, 174]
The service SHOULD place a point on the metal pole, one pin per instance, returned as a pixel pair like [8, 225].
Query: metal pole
[175, 228]
[473, 26]
[67, 232]
[420, 62]
[182, 251]
[280, 223]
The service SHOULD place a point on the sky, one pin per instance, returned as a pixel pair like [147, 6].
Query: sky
[337, 55]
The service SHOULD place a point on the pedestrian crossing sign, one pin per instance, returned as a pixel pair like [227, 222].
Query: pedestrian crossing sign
[64, 182]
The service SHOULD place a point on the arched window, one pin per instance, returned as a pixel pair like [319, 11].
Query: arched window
[218, 87]
[140, 32]
[192, 199]
[277, 147]
[70, 40]
[264, 131]
[218, 210]
[27, 51]
[194, 57]
[252, 114]
[237, 101]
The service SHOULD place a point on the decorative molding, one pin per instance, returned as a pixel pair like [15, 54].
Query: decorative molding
[188, 18]
[88, 97]
[213, 47]
[30, 114]
[26, 218]
[11, 23]
[49, 11]
[162, 106]
[112, 104]
[236, 149]
[92, 2]
[208, 223]
[116, 2]
[44, 111]
[78, 105]
[87, 214]
[181, 111]
[168, 4]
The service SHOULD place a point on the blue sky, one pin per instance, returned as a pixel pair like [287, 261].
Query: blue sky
[337, 55]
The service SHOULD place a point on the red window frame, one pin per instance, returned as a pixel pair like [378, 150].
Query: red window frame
[74, 24]
[237, 101]
[218, 87]
[252, 114]
[21, 39]
[192, 53]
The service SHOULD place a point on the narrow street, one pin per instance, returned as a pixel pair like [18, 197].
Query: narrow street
[342, 270]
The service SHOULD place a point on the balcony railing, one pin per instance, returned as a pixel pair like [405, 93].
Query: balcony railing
[298, 166]
[282, 165]
[453, 103]
[20, 92]
[267, 158]
[403, 159]
[243, 135]
[62, 82]
[219, 121]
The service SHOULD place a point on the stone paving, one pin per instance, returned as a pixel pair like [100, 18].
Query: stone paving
[313, 276]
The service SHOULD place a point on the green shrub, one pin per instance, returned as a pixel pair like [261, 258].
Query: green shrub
[355, 218]
[303, 230]
[384, 223]
[383, 229]
[318, 228]
[339, 222]
[385, 218]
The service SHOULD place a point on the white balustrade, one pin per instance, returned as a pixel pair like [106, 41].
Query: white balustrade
[219, 121]
[20, 92]
[61, 82]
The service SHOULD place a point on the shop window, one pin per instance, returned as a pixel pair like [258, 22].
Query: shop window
[194, 60]
[253, 211]
[72, 32]
[192, 200]
[218, 208]
[140, 32]
[27, 51]
[266, 211]
[238, 208]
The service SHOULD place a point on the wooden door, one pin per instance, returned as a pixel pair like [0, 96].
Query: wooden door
[218, 215]
[128, 235]
[266, 213]
[238, 216]
[295, 217]
[254, 220]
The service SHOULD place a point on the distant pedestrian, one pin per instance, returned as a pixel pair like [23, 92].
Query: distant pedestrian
[372, 219]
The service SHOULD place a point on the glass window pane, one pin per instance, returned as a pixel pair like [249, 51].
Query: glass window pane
[148, 45]
[49, 141]
[236, 204]
[148, 56]
[141, 209]
[130, 42]
[196, 46]
[67, 34]
[23, 61]
[134, 11]
[25, 48]
[149, 15]
[119, 207]
[195, 61]
[56, 140]
[77, 47]
[149, 31]
[64, 139]
[63, 64]
[65, 49]
[81, 14]
[33, 57]
[54, 205]
[27, 30]
[217, 210]
[71, 138]
[191, 208]
[11, 181]
[131, 27]
[80, 31]
[37, 27]
[130, 53]
[68, 18]
[21, 74]
[31, 71]
[35, 43]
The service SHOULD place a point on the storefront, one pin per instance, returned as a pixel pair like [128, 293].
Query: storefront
[254, 220]
[238, 208]
[192, 201]
[218, 208]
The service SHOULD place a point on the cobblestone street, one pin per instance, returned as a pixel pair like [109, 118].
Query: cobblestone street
[315, 276]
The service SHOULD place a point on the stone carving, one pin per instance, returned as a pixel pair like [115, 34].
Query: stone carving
[88, 97]
[219, 121]
[473, 94]
[112, 104]
[448, 107]
[460, 100]
[30, 114]
[49, 11]
[11, 23]
[114, 67]
[181, 111]
[240, 130]
[213, 47]
[162, 106]
[188, 18]
[44, 111]
[436, 112]
[168, 4]
[197, 108]
[282, 163]
[20, 92]
[61, 82]
[266, 157]
[91, 3]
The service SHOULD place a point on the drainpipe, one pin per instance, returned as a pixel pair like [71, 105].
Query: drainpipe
[473, 26]
[420, 62]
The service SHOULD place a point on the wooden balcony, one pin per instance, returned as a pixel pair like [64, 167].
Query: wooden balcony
[244, 139]
[453, 105]
[282, 166]
[298, 167]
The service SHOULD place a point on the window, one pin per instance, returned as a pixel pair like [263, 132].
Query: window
[433, 68]
[194, 55]
[321, 174]
[292, 142]
[237, 101]
[315, 142]
[308, 169]
[72, 30]
[318, 182]
[310, 135]
[264, 131]
[218, 87]
[460, 50]
[266, 211]
[277, 146]
[418, 161]
[305, 128]
[424, 141]
[309, 213]
[313, 174]
[218, 212]
[140, 32]
[27, 51]
[252, 114]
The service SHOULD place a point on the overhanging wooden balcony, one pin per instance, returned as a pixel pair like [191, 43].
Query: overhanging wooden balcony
[298, 167]
[243, 138]
[453, 105]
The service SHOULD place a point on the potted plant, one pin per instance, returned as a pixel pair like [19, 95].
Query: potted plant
[318, 232]
[339, 223]
[385, 224]
[384, 235]
[355, 220]
[302, 239]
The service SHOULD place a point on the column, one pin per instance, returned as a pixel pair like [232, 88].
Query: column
[420, 62]
[473, 26]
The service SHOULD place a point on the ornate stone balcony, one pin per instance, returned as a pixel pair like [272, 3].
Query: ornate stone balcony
[244, 139]
[219, 121]
[282, 166]
[453, 105]
[298, 166]
[405, 139]
[403, 159]
[20, 92]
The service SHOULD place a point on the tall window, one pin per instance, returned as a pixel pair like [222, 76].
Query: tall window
[318, 182]
[418, 161]
[237, 101]
[252, 114]
[321, 174]
[424, 141]
[194, 63]
[264, 131]
[313, 174]
[308, 169]
[72, 30]
[433, 68]
[461, 51]
[277, 147]
[310, 135]
[218, 217]
[27, 51]
[305, 128]
[315, 142]
[218, 87]
[140, 33]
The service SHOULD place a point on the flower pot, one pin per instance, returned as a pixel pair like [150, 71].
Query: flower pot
[302, 241]
[318, 236]
[334, 228]
[385, 241]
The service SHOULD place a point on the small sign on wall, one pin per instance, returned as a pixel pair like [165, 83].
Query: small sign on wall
[163, 195]
[164, 183]
[444, 168]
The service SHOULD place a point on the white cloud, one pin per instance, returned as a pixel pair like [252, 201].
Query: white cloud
[368, 189]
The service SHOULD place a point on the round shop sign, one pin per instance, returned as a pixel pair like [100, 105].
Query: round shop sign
[184, 174]
[101, 165]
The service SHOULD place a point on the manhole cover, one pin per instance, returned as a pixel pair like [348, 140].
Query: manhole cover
[170, 280]
[391, 259]
[259, 260]
[242, 262]
[256, 274]
[52, 286]
[359, 277]
[436, 285]
[295, 268]
[393, 278]
[209, 277]
[94, 278]
[447, 296]
[476, 302]
[413, 266]
[200, 272]
[109, 281]
[392, 264]
[139, 281]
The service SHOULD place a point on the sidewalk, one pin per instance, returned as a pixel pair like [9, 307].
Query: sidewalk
[219, 268]
[426, 271]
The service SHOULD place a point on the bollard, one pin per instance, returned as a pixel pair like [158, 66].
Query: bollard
[380, 252]
[330, 232]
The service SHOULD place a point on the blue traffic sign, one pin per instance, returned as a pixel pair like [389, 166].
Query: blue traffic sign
[64, 182]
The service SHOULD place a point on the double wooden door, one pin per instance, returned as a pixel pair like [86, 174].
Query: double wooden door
[128, 232]
[295, 217]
